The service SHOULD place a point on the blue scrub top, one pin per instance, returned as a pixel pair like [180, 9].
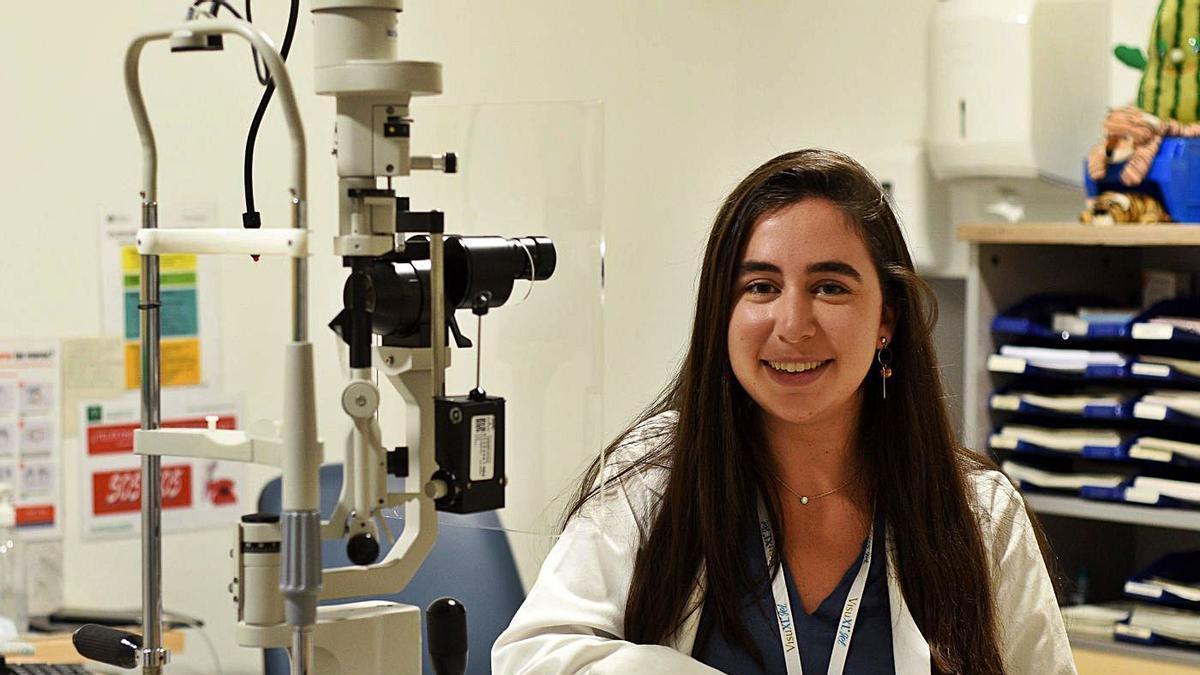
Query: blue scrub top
[870, 648]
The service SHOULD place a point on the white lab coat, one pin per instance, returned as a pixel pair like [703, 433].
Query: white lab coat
[572, 620]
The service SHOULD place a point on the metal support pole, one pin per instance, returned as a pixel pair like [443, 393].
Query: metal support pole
[302, 651]
[300, 573]
[299, 276]
[153, 654]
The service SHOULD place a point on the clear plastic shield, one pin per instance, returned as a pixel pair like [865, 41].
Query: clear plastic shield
[525, 169]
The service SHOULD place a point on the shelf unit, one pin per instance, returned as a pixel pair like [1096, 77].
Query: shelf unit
[1184, 657]
[1007, 264]
[1074, 234]
[1150, 516]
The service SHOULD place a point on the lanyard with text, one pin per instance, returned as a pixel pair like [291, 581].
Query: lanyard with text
[783, 605]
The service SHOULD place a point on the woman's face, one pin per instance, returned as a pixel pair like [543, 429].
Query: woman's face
[808, 314]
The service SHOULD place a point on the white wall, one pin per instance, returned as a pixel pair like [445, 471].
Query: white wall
[695, 94]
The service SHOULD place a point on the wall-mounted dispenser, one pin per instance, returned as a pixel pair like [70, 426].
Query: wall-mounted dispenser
[1018, 88]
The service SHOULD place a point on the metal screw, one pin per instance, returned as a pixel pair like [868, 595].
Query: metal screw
[389, 168]
[389, 360]
[361, 400]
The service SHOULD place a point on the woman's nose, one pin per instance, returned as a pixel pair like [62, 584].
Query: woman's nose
[795, 321]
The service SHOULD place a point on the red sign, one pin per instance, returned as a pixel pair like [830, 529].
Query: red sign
[42, 514]
[107, 439]
[121, 491]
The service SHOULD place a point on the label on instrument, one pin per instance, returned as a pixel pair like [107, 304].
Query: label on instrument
[483, 447]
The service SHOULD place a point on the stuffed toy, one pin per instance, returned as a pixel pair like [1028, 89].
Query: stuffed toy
[1168, 104]
[1110, 208]
[1133, 136]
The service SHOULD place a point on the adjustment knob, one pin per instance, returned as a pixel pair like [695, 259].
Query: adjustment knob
[362, 549]
[446, 624]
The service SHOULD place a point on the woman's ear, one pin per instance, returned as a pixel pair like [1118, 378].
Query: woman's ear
[887, 322]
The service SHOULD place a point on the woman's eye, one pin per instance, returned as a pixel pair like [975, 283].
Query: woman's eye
[760, 288]
[830, 288]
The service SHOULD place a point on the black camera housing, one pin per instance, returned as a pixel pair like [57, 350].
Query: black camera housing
[470, 452]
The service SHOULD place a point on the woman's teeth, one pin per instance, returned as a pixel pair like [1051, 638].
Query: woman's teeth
[795, 367]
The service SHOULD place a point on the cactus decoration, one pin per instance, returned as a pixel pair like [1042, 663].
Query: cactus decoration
[1170, 86]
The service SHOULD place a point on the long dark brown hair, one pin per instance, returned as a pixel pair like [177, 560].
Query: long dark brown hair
[716, 456]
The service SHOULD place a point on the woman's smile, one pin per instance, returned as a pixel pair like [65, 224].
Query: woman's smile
[796, 373]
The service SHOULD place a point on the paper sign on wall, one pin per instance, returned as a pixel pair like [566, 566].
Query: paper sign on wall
[187, 292]
[30, 440]
[179, 318]
[196, 493]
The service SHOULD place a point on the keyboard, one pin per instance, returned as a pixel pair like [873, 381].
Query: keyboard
[45, 669]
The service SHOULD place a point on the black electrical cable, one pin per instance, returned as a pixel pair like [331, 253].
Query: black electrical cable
[251, 218]
[260, 71]
[217, 5]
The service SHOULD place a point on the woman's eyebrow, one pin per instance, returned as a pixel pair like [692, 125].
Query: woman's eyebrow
[835, 267]
[753, 266]
[823, 267]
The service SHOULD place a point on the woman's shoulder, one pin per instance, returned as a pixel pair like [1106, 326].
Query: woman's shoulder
[999, 508]
[991, 490]
[637, 469]
[647, 443]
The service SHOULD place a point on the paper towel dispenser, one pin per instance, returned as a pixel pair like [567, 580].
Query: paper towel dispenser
[1017, 88]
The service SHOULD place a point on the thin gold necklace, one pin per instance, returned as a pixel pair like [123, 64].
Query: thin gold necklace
[805, 500]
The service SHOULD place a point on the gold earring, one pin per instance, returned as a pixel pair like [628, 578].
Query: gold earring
[883, 356]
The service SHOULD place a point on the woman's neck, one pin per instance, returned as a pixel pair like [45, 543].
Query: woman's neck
[814, 457]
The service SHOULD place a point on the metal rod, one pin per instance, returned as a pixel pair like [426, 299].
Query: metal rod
[479, 352]
[302, 651]
[299, 278]
[152, 652]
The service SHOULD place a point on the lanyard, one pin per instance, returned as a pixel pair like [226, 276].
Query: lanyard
[783, 605]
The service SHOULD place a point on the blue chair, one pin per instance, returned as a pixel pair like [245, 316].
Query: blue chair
[471, 561]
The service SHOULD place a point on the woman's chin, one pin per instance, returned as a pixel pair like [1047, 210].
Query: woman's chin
[816, 413]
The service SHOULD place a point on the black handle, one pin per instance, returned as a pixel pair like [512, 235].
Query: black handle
[108, 645]
[446, 620]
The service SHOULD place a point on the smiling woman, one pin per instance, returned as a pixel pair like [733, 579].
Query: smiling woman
[802, 332]
[802, 457]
